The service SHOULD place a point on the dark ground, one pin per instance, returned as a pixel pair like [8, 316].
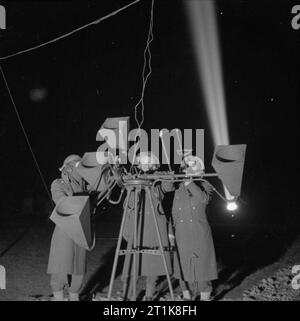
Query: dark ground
[243, 250]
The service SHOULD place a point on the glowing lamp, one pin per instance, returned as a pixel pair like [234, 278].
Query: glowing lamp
[231, 206]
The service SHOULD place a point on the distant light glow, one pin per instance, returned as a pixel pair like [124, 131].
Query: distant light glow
[204, 31]
[203, 25]
[38, 94]
[232, 206]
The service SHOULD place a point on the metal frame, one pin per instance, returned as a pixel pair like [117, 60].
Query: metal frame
[137, 185]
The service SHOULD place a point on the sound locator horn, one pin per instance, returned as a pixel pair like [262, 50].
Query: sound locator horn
[72, 215]
[228, 162]
[90, 170]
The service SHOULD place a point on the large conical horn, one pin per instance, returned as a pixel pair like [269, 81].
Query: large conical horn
[228, 162]
[73, 215]
[89, 169]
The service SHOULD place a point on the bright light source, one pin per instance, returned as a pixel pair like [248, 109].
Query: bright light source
[204, 34]
[231, 206]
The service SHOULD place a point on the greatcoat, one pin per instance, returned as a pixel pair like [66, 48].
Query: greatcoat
[195, 258]
[66, 257]
[147, 238]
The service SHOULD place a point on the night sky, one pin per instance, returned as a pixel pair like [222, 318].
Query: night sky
[97, 73]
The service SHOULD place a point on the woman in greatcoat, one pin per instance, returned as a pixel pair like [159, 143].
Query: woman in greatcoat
[66, 258]
[148, 265]
[194, 260]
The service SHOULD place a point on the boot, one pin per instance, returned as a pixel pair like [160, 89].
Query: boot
[73, 296]
[205, 296]
[58, 296]
[186, 295]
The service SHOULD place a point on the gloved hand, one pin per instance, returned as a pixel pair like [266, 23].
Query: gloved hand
[207, 187]
[172, 239]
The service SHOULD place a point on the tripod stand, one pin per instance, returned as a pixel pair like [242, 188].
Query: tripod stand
[135, 187]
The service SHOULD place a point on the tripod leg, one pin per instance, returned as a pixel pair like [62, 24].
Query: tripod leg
[134, 279]
[160, 244]
[127, 289]
[111, 283]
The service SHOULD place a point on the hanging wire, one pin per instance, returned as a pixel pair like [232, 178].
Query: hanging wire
[25, 134]
[145, 77]
[27, 229]
[71, 32]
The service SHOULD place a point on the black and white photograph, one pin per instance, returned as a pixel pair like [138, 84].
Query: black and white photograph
[149, 152]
